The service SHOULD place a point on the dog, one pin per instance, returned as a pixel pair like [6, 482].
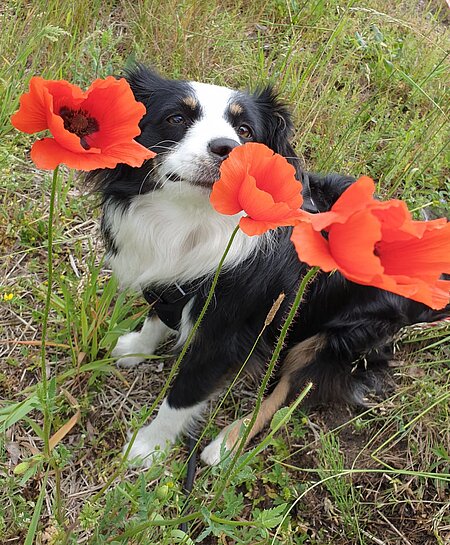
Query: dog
[164, 239]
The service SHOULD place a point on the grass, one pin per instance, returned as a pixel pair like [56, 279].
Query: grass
[367, 83]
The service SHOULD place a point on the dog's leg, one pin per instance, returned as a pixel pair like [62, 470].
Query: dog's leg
[202, 372]
[162, 432]
[229, 438]
[132, 348]
[325, 359]
[334, 361]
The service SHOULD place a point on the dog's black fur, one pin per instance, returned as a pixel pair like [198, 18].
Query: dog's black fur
[355, 323]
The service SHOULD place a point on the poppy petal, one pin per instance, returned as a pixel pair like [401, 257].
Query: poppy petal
[132, 153]
[354, 198]
[252, 228]
[253, 157]
[428, 254]
[64, 94]
[31, 116]
[436, 296]
[224, 195]
[253, 200]
[312, 248]
[395, 219]
[278, 178]
[260, 206]
[433, 294]
[48, 154]
[352, 245]
[272, 172]
[112, 104]
[222, 201]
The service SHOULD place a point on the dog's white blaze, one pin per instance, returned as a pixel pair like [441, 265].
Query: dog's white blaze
[192, 150]
[168, 424]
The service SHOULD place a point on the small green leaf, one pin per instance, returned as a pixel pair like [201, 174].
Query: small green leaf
[11, 414]
[279, 417]
[269, 518]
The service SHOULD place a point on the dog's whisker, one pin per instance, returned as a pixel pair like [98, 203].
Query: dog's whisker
[146, 177]
[168, 148]
[166, 140]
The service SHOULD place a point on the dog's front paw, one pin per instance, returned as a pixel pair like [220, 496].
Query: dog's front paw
[148, 447]
[128, 344]
[216, 451]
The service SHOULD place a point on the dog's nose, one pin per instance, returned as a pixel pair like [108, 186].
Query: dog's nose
[221, 147]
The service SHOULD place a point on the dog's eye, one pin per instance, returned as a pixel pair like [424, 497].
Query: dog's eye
[176, 119]
[244, 131]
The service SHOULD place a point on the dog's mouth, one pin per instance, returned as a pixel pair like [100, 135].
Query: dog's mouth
[204, 182]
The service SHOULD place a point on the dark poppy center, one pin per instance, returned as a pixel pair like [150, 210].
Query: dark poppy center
[80, 123]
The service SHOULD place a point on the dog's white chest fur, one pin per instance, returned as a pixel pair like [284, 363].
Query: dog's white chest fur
[171, 235]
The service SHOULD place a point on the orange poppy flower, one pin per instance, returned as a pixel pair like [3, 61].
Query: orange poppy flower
[261, 183]
[378, 244]
[90, 130]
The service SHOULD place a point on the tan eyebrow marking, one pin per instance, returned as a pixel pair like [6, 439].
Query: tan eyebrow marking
[190, 101]
[236, 108]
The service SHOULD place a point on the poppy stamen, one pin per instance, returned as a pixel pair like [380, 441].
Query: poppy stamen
[80, 123]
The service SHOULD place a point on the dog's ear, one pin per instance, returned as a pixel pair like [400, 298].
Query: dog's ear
[144, 81]
[277, 125]
[327, 188]
[276, 120]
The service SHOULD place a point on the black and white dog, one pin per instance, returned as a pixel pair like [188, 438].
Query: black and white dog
[164, 238]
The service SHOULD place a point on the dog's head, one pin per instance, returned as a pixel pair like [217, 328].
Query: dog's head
[193, 127]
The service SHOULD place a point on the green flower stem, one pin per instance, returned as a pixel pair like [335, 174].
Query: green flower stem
[198, 514]
[177, 362]
[202, 312]
[212, 417]
[46, 410]
[309, 276]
